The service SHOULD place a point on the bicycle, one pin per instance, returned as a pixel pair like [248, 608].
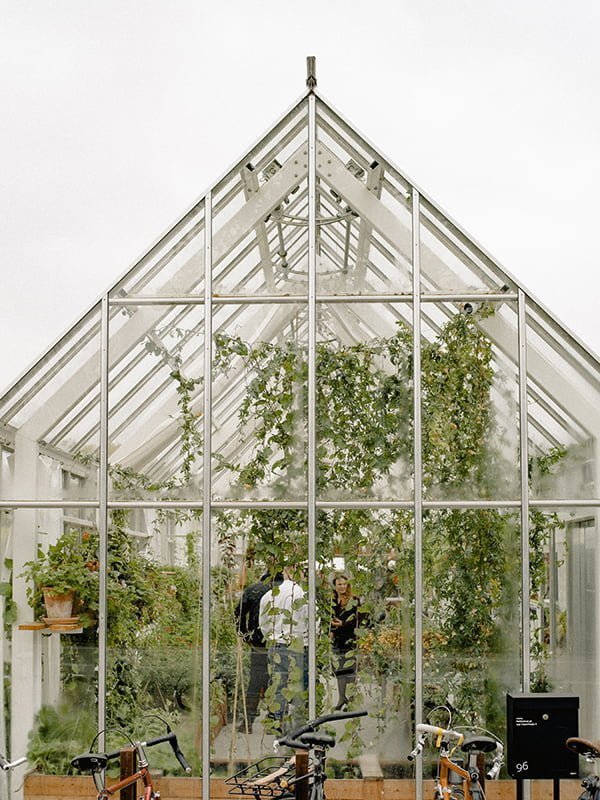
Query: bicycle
[96, 763]
[452, 779]
[276, 777]
[590, 751]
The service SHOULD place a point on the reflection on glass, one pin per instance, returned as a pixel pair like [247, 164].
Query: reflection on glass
[154, 628]
[563, 607]
[470, 614]
[562, 412]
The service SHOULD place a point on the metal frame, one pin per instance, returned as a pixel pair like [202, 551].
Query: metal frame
[316, 168]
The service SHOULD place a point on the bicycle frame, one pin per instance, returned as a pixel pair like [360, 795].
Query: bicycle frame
[143, 774]
[454, 782]
[465, 785]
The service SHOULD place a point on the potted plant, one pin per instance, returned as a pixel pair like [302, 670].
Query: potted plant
[64, 580]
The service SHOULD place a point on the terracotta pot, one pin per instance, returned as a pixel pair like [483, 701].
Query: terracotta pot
[58, 606]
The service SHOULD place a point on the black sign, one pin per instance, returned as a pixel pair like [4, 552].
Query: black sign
[537, 727]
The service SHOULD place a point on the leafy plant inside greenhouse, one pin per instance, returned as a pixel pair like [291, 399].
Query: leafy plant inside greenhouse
[364, 434]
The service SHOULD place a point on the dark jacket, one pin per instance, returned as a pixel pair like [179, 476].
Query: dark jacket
[247, 612]
[344, 635]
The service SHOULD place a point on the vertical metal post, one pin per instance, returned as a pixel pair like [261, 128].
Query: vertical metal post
[103, 518]
[552, 591]
[311, 388]
[524, 463]
[207, 511]
[418, 468]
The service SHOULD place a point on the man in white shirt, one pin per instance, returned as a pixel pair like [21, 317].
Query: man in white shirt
[283, 620]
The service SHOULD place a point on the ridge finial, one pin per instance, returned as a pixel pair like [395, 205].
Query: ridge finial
[311, 72]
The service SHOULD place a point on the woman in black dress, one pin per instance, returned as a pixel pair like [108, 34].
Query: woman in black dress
[345, 619]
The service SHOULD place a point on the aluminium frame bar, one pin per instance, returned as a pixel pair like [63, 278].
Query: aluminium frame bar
[524, 471]
[103, 521]
[418, 475]
[428, 505]
[312, 402]
[207, 496]
[429, 297]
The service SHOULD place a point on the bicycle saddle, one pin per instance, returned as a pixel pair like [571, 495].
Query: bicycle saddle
[318, 738]
[583, 747]
[89, 762]
[478, 744]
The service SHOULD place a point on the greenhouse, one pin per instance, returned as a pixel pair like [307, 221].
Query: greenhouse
[313, 372]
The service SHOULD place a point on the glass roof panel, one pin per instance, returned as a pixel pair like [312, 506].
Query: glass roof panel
[41, 393]
[155, 404]
[260, 248]
[173, 266]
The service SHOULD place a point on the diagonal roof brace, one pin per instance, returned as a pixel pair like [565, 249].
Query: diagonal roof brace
[186, 278]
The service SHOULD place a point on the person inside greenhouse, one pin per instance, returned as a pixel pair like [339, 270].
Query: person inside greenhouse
[247, 619]
[346, 617]
[284, 624]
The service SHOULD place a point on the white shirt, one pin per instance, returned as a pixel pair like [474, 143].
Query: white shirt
[283, 615]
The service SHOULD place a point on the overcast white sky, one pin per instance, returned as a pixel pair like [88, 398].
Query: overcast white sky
[117, 114]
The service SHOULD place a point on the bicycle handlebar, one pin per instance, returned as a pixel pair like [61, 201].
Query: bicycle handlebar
[441, 733]
[8, 765]
[170, 737]
[293, 739]
[423, 731]
[494, 770]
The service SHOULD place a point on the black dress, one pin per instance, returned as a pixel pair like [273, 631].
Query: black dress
[344, 636]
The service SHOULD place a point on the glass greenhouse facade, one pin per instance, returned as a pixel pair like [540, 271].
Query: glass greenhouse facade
[313, 368]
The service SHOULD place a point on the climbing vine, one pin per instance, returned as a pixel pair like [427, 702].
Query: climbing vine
[364, 447]
[364, 438]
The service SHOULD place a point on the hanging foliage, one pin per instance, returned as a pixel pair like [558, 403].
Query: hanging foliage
[364, 436]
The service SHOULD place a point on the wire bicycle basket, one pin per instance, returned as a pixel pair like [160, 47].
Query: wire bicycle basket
[253, 780]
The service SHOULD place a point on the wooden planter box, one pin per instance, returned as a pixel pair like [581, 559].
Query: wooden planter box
[58, 787]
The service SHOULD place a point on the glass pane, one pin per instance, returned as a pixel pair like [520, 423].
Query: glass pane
[259, 611]
[450, 261]
[57, 402]
[364, 401]
[156, 402]
[154, 630]
[259, 401]
[52, 688]
[564, 607]
[260, 232]
[470, 614]
[470, 415]
[173, 266]
[564, 423]
[364, 217]
[366, 634]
